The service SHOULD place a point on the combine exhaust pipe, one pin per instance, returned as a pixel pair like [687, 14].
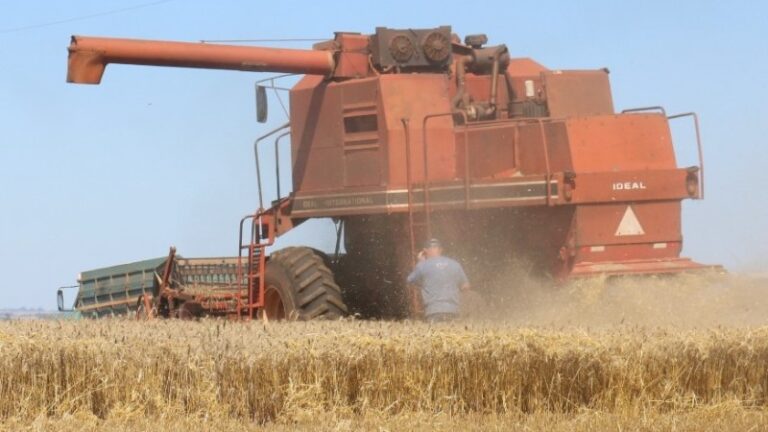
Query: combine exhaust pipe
[89, 56]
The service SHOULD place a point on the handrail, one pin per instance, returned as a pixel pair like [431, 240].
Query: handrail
[256, 158]
[409, 185]
[467, 174]
[277, 160]
[545, 151]
[240, 276]
[426, 163]
[648, 108]
[698, 147]
[547, 167]
[257, 238]
[256, 241]
[414, 305]
[698, 137]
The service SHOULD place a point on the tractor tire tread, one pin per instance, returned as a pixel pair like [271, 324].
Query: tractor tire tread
[316, 292]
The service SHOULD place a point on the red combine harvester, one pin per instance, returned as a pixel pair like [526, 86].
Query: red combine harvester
[407, 134]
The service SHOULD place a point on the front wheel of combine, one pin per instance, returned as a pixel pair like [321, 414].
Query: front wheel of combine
[299, 286]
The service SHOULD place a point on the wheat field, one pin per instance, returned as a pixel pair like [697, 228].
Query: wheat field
[593, 357]
[230, 376]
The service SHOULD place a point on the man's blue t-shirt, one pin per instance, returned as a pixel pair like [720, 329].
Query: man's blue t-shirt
[440, 279]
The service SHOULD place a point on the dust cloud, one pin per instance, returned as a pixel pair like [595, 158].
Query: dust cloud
[691, 300]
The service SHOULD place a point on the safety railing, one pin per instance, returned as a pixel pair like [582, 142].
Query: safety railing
[425, 149]
[262, 231]
[699, 149]
[256, 144]
[467, 153]
[645, 109]
[261, 236]
[544, 152]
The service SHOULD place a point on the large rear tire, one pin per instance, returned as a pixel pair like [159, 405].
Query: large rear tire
[299, 286]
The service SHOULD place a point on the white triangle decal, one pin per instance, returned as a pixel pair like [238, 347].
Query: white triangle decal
[629, 225]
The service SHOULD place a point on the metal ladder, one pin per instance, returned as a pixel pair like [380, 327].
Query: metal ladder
[257, 232]
[251, 261]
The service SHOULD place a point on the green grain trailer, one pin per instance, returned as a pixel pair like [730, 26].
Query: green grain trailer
[120, 290]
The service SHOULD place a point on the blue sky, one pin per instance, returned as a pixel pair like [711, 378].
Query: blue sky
[99, 175]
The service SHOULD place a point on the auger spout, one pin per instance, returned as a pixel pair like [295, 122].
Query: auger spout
[89, 56]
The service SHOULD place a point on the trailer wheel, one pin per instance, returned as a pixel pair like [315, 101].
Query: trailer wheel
[299, 286]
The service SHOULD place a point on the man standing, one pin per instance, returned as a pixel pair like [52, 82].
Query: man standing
[440, 279]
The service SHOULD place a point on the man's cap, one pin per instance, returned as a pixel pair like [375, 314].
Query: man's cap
[433, 242]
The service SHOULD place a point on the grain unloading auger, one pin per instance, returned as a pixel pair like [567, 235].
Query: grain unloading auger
[406, 134]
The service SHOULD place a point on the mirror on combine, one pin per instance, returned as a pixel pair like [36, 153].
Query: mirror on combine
[60, 298]
[261, 104]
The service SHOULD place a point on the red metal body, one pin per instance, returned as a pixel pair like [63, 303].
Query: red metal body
[89, 57]
[499, 157]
